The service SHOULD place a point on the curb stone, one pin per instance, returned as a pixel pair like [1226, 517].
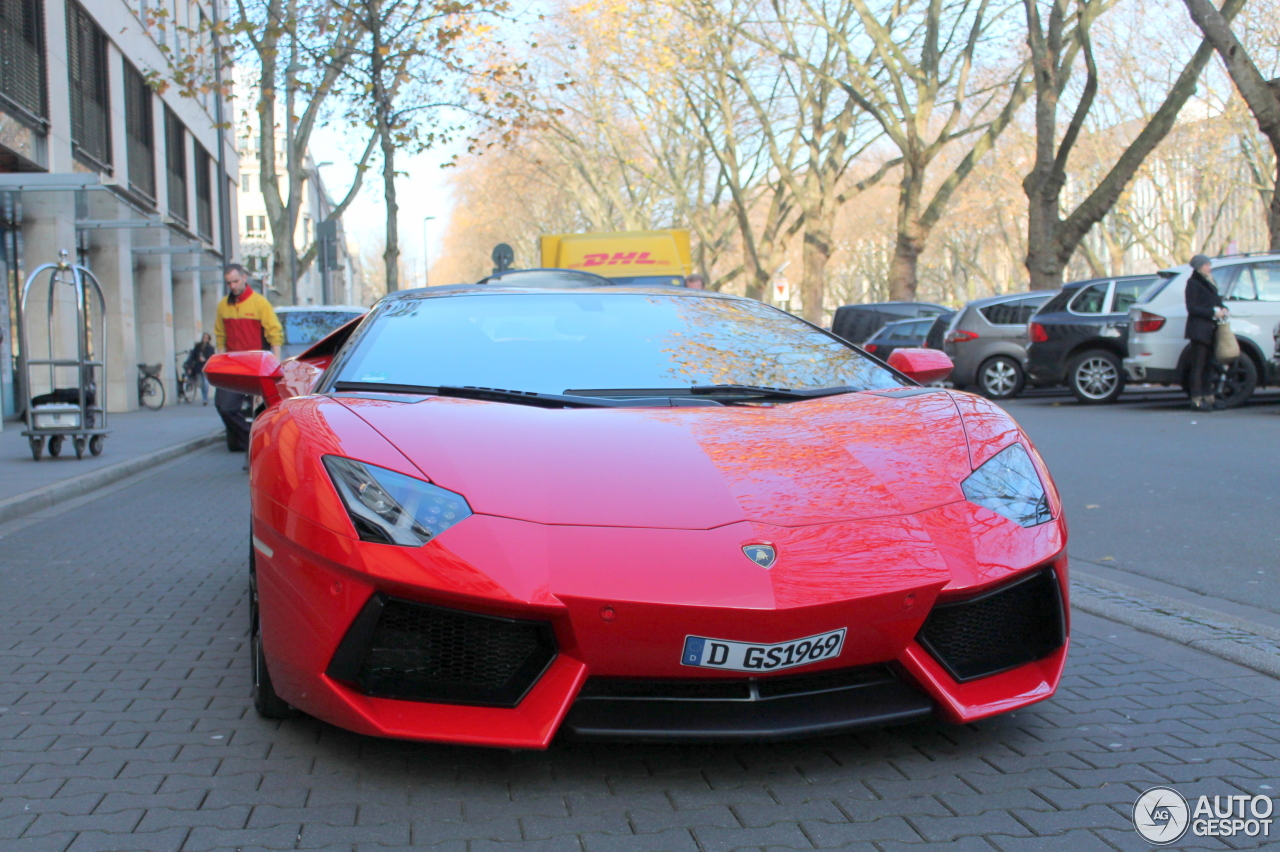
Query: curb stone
[1237, 640]
[50, 495]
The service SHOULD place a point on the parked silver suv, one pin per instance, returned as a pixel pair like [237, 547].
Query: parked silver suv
[1250, 287]
[987, 341]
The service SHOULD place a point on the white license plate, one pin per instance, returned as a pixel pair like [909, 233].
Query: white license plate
[746, 657]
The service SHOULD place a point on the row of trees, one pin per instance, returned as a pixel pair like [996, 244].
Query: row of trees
[891, 148]
[401, 75]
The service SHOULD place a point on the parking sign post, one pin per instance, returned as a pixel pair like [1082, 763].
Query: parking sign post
[782, 293]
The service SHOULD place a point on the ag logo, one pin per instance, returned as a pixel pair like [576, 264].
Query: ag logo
[762, 554]
[1161, 816]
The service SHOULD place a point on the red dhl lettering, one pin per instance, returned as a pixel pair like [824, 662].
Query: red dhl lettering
[621, 259]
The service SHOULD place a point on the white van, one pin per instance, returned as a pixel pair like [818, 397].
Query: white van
[1250, 287]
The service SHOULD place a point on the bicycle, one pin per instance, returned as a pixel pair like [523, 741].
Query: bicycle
[188, 380]
[150, 388]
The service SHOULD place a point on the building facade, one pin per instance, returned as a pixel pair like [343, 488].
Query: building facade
[140, 187]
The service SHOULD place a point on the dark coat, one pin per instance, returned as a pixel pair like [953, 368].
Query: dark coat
[200, 354]
[1202, 298]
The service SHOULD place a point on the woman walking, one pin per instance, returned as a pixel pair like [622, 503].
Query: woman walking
[1204, 309]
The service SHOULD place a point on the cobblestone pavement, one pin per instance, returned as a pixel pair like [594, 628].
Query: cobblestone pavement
[125, 724]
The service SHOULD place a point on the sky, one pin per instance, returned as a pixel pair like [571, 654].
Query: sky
[422, 191]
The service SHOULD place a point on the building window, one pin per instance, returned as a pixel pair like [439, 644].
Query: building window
[175, 146]
[204, 192]
[22, 58]
[140, 128]
[90, 98]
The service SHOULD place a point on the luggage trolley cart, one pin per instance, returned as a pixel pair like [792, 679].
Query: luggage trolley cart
[65, 412]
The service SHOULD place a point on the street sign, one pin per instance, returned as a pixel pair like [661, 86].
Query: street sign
[781, 290]
[503, 256]
[327, 236]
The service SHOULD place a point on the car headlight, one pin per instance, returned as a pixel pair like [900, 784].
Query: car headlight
[1008, 485]
[391, 508]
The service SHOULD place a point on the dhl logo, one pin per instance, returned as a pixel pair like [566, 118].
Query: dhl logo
[640, 258]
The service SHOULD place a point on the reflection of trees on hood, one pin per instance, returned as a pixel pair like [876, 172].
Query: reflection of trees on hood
[723, 341]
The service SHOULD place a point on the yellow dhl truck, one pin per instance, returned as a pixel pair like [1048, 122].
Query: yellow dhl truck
[630, 257]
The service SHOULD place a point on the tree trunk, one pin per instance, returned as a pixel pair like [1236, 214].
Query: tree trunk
[1044, 261]
[815, 253]
[382, 120]
[391, 256]
[1273, 213]
[756, 278]
[911, 237]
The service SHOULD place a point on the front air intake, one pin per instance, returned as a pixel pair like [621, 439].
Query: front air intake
[1007, 627]
[417, 652]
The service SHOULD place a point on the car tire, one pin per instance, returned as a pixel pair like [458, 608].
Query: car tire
[1001, 377]
[1095, 377]
[1242, 381]
[265, 700]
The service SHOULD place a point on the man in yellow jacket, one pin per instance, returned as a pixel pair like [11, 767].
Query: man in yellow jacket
[245, 321]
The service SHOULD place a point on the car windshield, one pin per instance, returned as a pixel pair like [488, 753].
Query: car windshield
[307, 327]
[558, 342]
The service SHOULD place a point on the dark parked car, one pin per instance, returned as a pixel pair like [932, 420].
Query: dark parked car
[856, 323]
[903, 334]
[987, 340]
[1080, 337]
[938, 331]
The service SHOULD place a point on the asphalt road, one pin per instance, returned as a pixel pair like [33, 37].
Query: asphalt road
[125, 721]
[1154, 489]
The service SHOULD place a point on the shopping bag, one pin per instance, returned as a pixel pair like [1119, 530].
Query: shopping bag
[1226, 348]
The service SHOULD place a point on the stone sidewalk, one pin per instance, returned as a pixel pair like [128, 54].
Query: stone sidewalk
[134, 438]
[125, 724]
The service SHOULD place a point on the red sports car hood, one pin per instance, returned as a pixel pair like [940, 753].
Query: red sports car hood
[848, 457]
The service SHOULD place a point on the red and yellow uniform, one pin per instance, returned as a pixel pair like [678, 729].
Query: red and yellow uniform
[247, 322]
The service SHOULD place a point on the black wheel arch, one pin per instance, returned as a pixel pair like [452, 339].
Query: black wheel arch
[1115, 347]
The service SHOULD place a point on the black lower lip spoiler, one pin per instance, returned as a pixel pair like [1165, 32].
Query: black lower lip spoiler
[872, 705]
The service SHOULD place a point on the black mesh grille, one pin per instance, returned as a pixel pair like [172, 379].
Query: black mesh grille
[415, 652]
[140, 132]
[22, 55]
[1013, 625]
[87, 76]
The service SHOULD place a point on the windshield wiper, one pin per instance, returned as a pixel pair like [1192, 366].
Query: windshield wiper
[710, 394]
[767, 392]
[542, 400]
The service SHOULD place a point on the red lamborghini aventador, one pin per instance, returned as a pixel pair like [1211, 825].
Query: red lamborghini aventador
[492, 513]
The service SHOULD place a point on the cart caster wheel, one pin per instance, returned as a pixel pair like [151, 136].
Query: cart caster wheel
[95, 445]
[78, 442]
[55, 446]
[37, 447]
